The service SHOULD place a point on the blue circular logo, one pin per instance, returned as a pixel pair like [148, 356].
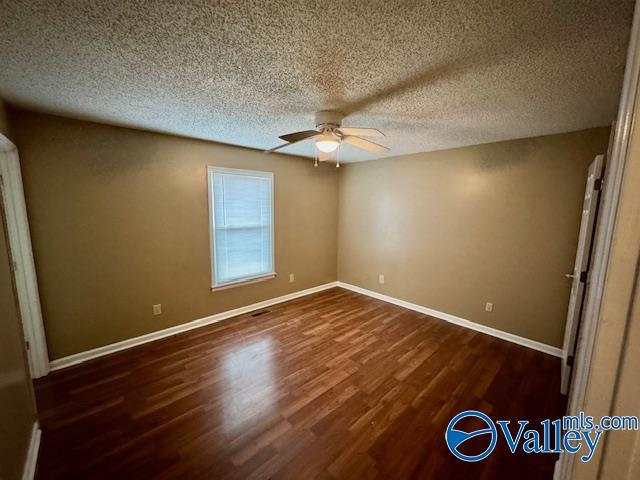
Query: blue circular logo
[455, 438]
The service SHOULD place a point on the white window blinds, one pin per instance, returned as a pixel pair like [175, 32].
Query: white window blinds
[242, 225]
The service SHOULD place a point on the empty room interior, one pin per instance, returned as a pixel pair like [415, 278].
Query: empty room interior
[319, 240]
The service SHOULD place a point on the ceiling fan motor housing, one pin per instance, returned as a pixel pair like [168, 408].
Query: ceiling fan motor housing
[328, 119]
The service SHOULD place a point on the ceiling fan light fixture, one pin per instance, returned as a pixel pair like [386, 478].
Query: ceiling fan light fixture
[327, 143]
[329, 134]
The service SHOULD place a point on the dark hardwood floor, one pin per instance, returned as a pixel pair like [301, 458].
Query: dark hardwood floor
[331, 385]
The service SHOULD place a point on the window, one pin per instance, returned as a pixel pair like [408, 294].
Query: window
[241, 209]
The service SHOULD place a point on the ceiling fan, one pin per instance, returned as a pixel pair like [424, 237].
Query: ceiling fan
[329, 135]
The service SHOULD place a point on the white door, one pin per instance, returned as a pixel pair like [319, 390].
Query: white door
[579, 277]
[22, 258]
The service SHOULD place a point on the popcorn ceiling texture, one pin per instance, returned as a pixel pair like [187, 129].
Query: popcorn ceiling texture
[430, 74]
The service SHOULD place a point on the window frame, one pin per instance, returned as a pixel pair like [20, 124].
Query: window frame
[211, 170]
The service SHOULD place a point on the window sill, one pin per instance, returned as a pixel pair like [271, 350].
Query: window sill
[240, 283]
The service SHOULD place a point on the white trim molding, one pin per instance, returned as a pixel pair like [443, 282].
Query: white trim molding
[31, 462]
[22, 256]
[614, 171]
[167, 332]
[509, 337]
[82, 357]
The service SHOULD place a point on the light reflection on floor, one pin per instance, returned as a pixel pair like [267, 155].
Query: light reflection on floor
[249, 383]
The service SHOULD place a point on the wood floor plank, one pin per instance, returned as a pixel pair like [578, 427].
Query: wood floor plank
[331, 385]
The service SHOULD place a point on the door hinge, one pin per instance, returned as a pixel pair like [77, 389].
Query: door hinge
[14, 265]
[584, 276]
[570, 360]
[597, 185]
[27, 344]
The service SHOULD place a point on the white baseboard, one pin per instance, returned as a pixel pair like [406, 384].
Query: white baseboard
[167, 332]
[31, 461]
[510, 337]
[150, 337]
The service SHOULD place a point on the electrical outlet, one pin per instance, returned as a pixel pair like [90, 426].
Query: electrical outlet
[488, 307]
[381, 279]
[157, 309]
[292, 278]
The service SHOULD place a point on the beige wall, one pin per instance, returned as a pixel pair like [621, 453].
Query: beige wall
[119, 222]
[621, 452]
[454, 229]
[17, 409]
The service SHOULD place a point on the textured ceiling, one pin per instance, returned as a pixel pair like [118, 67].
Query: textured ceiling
[430, 74]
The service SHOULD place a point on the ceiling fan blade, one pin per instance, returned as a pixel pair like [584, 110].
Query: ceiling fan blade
[365, 144]
[277, 148]
[361, 132]
[297, 136]
[317, 134]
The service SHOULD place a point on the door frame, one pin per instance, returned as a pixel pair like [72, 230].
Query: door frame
[614, 170]
[22, 258]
